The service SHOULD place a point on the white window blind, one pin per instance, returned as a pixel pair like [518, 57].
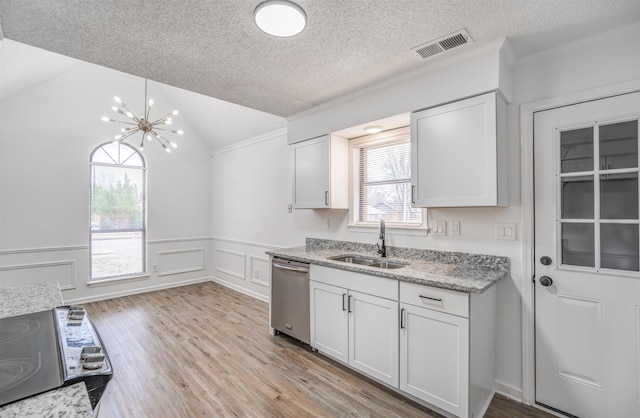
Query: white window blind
[384, 183]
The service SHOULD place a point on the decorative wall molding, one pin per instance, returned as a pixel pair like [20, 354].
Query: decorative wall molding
[278, 133]
[180, 261]
[44, 249]
[259, 268]
[235, 268]
[71, 275]
[172, 240]
[252, 244]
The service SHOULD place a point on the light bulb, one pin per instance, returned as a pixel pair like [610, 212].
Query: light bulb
[174, 145]
[373, 129]
[149, 137]
[175, 112]
[129, 114]
[141, 148]
[117, 99]
[150, 102]
[105, 119]
[180, 132]
[115, 142]
[117, 137]
[168, 150]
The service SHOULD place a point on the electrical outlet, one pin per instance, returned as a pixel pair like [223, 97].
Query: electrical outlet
[326, 223]
[506, 232]
[438, 227]
[154, 268]
[454, 228]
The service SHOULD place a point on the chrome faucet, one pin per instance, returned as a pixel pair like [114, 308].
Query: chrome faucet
[382, 250]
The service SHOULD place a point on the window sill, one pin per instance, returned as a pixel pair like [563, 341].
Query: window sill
[390, 229]
[116, 280]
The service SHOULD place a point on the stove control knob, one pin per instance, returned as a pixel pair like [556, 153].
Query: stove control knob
[76, 313]
[92, 357]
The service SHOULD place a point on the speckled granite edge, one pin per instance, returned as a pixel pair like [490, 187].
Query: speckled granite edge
[69, 401]
[447, 257]
[430, 270]
[29, 298]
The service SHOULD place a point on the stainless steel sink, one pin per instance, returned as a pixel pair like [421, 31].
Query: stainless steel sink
[387, 265]
[353, 259]
[369, 262]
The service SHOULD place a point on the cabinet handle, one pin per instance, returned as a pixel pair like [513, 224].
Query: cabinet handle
[344, 308]
[430, 298]
[349, 304]
[413, 198]
[402, 324]
[326, 198]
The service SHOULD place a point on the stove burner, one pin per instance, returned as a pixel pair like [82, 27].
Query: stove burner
[14, 371]
[17, 329]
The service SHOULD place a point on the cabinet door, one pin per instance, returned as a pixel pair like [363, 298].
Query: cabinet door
[457, 157]
[329, 321]
[373, 336]
[311, 173]
[434, 358]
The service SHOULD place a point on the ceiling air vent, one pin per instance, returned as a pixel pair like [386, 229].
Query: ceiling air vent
[445, 43]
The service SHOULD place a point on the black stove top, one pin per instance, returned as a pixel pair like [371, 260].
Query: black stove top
[45, 350]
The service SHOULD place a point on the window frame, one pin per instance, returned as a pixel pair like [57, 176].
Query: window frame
[143, 227]
[387, 137]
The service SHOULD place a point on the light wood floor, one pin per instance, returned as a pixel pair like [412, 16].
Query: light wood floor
[204, 351]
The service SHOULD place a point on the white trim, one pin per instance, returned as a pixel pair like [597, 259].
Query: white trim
[130, 292]
[44, 249]
[252, 244]
[242, 275]
[185, 270]
[116, 280]
[508, 390]
[240, 289]
[278, 133]
[171, 240]
[253, 258]
[71, 263]
[527, 233]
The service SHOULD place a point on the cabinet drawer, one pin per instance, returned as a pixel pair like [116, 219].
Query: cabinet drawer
[443, 300]
[364, 283]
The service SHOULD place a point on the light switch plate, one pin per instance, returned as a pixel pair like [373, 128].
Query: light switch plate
[438, 227]
[454, 228]
[506, 232]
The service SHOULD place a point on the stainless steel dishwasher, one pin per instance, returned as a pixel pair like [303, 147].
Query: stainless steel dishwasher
[290, 298]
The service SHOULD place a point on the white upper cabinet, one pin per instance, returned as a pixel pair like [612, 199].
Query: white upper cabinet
[321, 173]
[458, 153]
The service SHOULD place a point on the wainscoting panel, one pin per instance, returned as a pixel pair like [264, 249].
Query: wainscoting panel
[259, 268]
[64, 272]
[180, 261]
[230, 262]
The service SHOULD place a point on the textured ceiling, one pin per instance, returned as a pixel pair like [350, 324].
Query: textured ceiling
[214, 48]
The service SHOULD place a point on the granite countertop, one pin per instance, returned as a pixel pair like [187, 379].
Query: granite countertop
[471, 273]
[70, 401]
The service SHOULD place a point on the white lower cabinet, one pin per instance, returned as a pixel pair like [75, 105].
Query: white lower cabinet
[433, 345]
[434, 358]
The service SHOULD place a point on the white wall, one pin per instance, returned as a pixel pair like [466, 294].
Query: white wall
[252, 186]
[46, 136]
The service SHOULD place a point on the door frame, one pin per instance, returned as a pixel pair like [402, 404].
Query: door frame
[527, 111]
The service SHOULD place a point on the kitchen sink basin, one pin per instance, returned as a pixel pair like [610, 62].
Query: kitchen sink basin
[387, 265]
[369, 262]
[353, 259]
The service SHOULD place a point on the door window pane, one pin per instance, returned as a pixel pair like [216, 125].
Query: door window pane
[619, 246]
[577, 197]
[619, 145]
[576, 150]
[578, 244]
[619, 196]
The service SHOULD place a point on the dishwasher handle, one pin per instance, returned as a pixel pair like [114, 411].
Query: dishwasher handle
[290, 267]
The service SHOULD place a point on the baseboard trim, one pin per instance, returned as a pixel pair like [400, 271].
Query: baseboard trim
[130, 292]
[240, 289]
[508, 390]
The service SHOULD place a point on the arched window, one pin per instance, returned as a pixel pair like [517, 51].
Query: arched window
[118, 212]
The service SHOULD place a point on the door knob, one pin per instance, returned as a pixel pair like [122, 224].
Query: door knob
[546, 281]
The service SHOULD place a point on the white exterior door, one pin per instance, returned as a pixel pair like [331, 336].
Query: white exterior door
[587, 281]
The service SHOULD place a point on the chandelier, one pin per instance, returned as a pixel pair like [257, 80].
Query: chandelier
[150, 129]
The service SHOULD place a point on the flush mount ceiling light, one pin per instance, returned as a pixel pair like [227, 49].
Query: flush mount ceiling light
[373, 129]
[280, 18]
[143, 124]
